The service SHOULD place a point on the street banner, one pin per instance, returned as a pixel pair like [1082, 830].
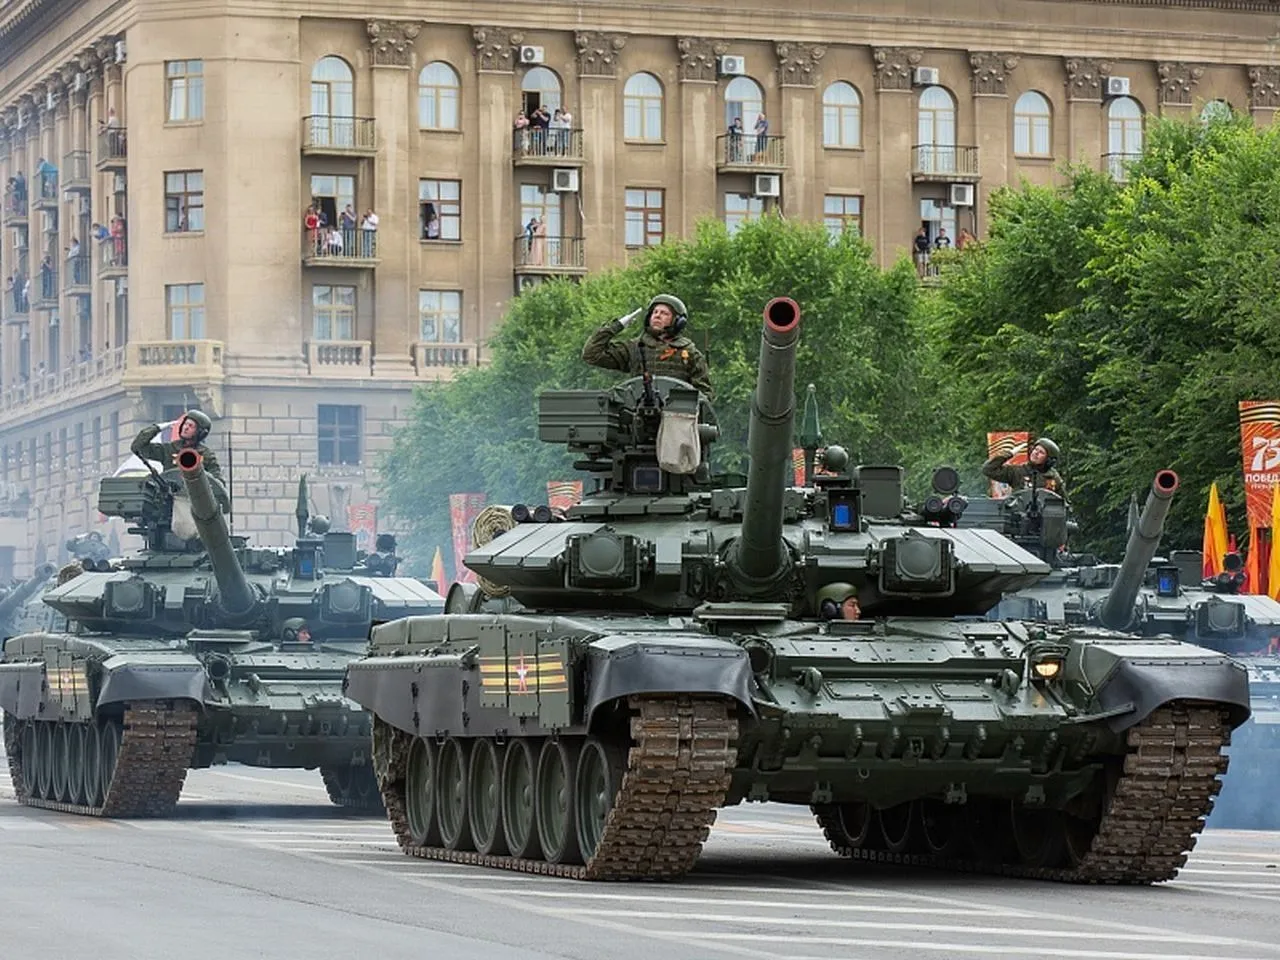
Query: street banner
[1001, 442]
[362, 520]
[1260, 451]
[463, 508]
[563, 494]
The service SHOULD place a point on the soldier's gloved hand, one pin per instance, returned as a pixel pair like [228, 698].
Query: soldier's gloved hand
[630, 316]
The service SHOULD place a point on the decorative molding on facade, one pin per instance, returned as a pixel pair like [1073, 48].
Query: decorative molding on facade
[1177, 81]
[1085, 76]
[495, 48]
[598, 52]
[1264, 88]
[105, 50]
[391, 41]
[894, 66]
[698, 57]
[798, 63]
[991, 71]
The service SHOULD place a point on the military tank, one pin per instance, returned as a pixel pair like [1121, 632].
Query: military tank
[198, 650]
[15, 600]
[670, 646]
[1159, 595]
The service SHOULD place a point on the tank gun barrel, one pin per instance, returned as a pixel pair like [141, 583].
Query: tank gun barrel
[234, 589]
[1116, 610]
[759, 554]
[25, 590]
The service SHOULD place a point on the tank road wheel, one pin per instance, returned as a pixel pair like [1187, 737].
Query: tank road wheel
[451, 794]
[896, 824]
[75, 763]
[553, 802]
[1038, 835]
[420, 793]
[353, 786]
[30, 759]
[518, 825]
[484, 799]
[596, 784]
[1077, 838]
[61, 762]
[942, 827]
[109, 735]
[91, 771]
[46, 757]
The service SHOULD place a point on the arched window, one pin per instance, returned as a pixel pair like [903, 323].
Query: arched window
[743, 100]
[642, 107]
[1124, 135]
[936, 132]
[333, 103]
[1215, 110]
[438, 97]
[1031, 118]
[540, 88]
[841, 116]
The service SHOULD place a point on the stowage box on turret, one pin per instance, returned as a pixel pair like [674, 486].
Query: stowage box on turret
[199, 650]
[670, 646]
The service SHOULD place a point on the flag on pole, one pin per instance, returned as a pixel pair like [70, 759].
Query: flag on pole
[1214, 546]
[1273, 568]
[437, 570]
[1253, 563]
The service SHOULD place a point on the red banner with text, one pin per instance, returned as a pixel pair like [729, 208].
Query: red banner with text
[1260, 450]
[463, 508]
[1001, 442]
[362, 520]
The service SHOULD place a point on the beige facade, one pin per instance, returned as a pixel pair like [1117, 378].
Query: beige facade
[194, 138]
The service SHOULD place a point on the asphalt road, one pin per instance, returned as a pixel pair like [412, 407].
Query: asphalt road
[257, 864]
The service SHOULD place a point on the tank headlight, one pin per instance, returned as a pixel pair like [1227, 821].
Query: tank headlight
[1047, 669]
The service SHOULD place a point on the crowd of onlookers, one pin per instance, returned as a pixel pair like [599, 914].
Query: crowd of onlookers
[543, 134]
[350, 236]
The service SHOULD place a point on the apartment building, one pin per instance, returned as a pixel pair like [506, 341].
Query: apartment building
[291, 215]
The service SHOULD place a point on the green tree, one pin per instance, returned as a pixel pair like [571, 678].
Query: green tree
[859, 343]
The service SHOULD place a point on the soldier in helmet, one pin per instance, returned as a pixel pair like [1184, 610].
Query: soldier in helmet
[1040, 467]
[193, 428]
[661, 349]
[838, 601]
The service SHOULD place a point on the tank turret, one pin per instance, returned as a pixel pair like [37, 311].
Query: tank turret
[15, 598]
[1116, 610]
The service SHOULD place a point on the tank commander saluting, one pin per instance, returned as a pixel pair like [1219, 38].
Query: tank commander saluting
[661, 349]
[1040, 465]
[193, 428]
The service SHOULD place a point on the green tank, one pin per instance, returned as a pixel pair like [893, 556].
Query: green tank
[14, 601]
[199, 650]
[670, 646]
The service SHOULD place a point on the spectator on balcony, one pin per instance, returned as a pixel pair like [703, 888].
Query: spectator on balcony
[48, 176]
[920, 249]
[941, 241]
[311, 224]
[118, 240]
[74, 263]
[735, 141]
[522, 131]
[47, 286]
[347, 224]
[11, 294]
[20, 189]
[535, 241]
[98, 232]
[762, 137]
[538, 124]
[368, 233]
[24, 282]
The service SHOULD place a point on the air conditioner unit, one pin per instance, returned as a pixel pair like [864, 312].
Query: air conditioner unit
[768, 185]
[564, 180]
[962, 194]
[119, 51]
[1117, 86]
[924, 76]
[732, 66]
[532, 55]
[78, 83]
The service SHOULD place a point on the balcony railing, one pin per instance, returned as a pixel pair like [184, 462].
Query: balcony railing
[45, 288]
[340, 358]
[76, 171]
[546, 146]
[1117, 165]
[15, 207]
[46, 189]
[113, 257]
[933, 161]
[17, 299]
[112, 148]
[78, 276]
[437, 361]
[75, 379]
[550, 254]
[332, 247]
[339, 135]
[173, 361]
[750, 152]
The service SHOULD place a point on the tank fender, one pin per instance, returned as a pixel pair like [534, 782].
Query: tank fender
[622, 666]
[409, 693]
[127, 678]
[1147, 683]
[22, 689]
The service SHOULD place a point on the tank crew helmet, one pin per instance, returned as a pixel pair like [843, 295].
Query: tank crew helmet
[677, 307]
[831, 597]
[1051, 452]
[294, 630]
[202, 422]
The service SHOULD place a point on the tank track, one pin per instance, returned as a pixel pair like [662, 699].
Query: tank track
[156, 746]
[677, 773]
[1164, 793]
[346, 787]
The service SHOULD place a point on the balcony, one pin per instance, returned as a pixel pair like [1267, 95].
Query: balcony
[550, 256]
[15, 208]
[113, 258]
[173, 361]
[547, 148]
[76, 172]
[940, 163]
[340, 248]
[1117, 165]
[75, 380]
[45, 190]
[744, 154]
[340, 358]
[112, 148]
[438, 361]
[324, 136]
[17, 306]
[78, 276]
[44, 288]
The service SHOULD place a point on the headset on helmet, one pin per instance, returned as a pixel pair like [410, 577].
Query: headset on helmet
[202, 422]
[677, 307]
[830, 597]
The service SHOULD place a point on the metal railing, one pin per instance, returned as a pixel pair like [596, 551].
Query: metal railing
[934, 159]
[1117, 165]
[15, 205]
[18, 298]
[113, 253]
[342, 134]
[331, 243]
[547, 143]
[549, 253]
[77, 274]
[45, 288]
[750, 150]
[46, 187]
[112, 146]
[75, 170]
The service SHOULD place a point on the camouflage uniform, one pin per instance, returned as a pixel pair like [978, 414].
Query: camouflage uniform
[1021, 475]
[163, 453]
[677, 357]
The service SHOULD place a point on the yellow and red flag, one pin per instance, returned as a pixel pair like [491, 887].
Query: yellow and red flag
[437, 571]
[1273, 568]
[1214, 546]
[463, 508]
[1253, 564]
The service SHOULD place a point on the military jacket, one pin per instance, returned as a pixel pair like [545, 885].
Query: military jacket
[677, 357]
[164, 453]
[1020, 476]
